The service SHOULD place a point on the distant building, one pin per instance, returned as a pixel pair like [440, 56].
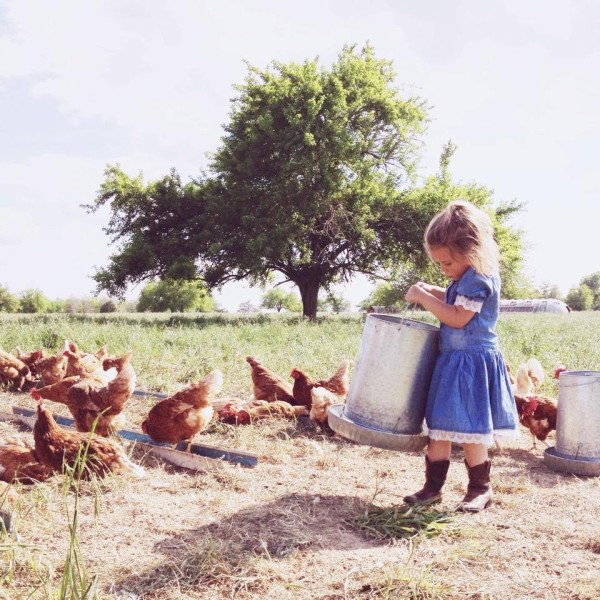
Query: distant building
[529, 305]
[534, 305]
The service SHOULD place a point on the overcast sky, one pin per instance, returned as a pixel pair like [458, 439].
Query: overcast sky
[147, 84]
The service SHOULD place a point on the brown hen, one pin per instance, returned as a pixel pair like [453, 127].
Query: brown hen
[321, 400]
[94, 405]
[538, 414]
[268, 385]
[30, 358]
[85, 366]
[14, 371]
[245, 413]
[99, 355]
[337, 384]
[56, 447]
[97, 406]
[57, 392]
[184, 414]
[52, 368]
[19, 463]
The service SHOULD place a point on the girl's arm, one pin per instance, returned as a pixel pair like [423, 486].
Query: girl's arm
[434, 290]
[453, 316]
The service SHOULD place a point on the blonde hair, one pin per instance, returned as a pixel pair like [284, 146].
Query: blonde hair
[466, 231]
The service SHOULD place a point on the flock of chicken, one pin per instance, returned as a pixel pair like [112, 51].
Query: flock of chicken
[95, 388]
[536, 412]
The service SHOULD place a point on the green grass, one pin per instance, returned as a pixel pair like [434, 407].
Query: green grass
[171, 350]
[400, 522]
[572, 339]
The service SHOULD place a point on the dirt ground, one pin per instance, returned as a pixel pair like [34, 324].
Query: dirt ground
[287, 528]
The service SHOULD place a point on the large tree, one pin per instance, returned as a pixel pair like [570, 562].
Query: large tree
[175, 296]
[310, 168]
[8, 302]
[157, 226]
[305, 184]
[312, 181]
[593, 282]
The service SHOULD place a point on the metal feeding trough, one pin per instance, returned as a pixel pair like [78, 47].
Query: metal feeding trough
[385, 407]
[577, 424]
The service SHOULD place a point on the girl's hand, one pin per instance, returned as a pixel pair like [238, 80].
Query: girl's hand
[415, 293]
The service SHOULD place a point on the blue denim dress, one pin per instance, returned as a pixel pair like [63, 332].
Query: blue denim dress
[470, 399]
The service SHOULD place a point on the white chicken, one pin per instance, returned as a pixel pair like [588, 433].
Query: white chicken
[529, 378]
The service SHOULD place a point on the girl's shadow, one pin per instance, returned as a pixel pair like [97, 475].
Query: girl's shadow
[296, 522]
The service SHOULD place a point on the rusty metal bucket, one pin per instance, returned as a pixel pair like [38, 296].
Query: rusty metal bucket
[386, 402]
[577, 424]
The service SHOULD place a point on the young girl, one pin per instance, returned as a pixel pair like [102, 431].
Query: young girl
[470, 399]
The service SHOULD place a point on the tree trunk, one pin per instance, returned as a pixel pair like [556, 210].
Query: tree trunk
[309, 292]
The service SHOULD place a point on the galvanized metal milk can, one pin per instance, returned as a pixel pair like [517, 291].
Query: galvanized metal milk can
[388, 392]
[577, 424]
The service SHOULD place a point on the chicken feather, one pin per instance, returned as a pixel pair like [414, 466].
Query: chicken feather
[244, 413]
[186, 413]
[56, 447]
[268, 385]
[337, 384]
[92, 403]
[538, 414]
[19, 463]
[14, 371]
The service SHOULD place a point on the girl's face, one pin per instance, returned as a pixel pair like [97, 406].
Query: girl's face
[453, 266]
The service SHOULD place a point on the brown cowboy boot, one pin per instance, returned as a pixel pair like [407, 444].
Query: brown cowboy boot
[435, 476]
[479, 490]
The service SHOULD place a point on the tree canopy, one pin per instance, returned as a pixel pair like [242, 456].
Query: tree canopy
[278, 299]
[432, 197]
[305, 183]
[33, 301]
[174, 296]
[587, 295]
[593, 282]
[580, 298]
[8, 302]
[157, 226]
[312, 180]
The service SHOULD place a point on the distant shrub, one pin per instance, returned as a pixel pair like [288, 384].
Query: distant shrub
[109, 307]
[8, 302]
[581, 298]
[33, 301]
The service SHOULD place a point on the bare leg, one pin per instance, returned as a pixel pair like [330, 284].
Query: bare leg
[475, 454]
[188, 445]
[438, 450]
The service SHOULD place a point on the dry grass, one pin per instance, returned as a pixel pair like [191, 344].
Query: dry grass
[290, 528]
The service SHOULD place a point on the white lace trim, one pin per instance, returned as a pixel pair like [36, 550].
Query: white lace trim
[458, 437]
[467, 303]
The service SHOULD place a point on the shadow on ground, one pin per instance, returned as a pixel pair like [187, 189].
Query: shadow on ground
[233, 547]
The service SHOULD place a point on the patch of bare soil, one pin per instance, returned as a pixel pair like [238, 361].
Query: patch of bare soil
[287, 528]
